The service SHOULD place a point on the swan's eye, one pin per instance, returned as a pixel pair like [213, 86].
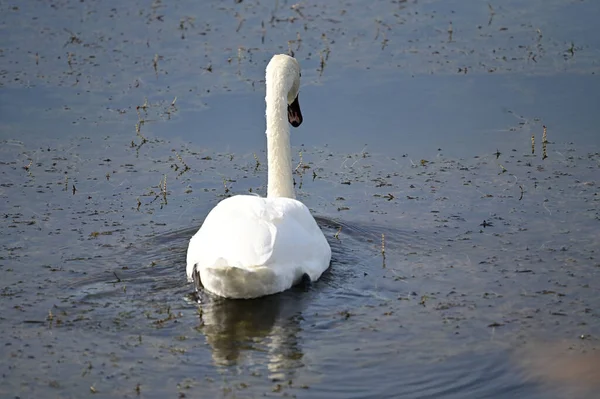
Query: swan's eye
[300, 74]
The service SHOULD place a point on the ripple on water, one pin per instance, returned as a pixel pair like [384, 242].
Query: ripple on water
[413, 372]
[434, 317]
[336, 333]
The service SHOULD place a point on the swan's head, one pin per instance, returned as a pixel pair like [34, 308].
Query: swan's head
[285, 70]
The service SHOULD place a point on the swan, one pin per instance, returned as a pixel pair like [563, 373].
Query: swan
[249, 246]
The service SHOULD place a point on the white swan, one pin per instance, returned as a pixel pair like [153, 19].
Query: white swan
[250, 246]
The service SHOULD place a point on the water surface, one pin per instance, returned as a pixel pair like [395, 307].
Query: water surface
[464, 261]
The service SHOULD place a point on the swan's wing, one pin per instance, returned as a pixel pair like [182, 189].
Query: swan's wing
[250, 246]
[238, 232]
[300, 246]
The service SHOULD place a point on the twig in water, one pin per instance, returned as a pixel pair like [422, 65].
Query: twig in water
[521, 197]
[544, 142]
[297, 8]
[337, 234]
[138, 131]
[144, 107]
[327, 50]
[322, 64]
[225, 185]
[492, 13]
[298, 41]
[257, 161]
[240, 55]
[544, 135]
[544, 153]
[384, 42]
[383, 248]
[240, 22]
[155, 63]
[546, 208]
[185, 165]
[300, 164]
[571, 50]
[163, 188]
[324, 54]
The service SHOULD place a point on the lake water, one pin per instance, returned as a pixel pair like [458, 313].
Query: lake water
[465, 253]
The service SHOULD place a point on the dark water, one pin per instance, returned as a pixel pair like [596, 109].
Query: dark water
[464, 265]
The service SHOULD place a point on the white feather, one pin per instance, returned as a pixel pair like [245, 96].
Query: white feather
[250, 246]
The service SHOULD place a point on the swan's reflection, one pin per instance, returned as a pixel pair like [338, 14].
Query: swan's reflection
[238, 330]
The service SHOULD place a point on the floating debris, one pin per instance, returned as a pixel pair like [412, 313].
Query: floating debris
[544, 143]
[337, 234]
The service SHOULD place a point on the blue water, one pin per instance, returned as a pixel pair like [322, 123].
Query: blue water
[413, 136]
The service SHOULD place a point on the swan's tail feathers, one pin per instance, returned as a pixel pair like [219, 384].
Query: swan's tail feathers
[240, 283]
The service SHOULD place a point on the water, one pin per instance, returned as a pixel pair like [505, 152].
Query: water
[488, 282]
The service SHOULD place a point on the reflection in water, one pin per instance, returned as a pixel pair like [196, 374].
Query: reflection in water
[237, 330]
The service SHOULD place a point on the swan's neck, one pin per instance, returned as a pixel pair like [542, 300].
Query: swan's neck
[279, 152]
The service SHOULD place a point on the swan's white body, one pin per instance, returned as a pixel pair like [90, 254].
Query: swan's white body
[250, 246]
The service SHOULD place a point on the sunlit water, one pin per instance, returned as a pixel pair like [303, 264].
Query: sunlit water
[464, 261]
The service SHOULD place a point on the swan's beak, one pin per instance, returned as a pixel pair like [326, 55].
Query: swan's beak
[294, 113]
